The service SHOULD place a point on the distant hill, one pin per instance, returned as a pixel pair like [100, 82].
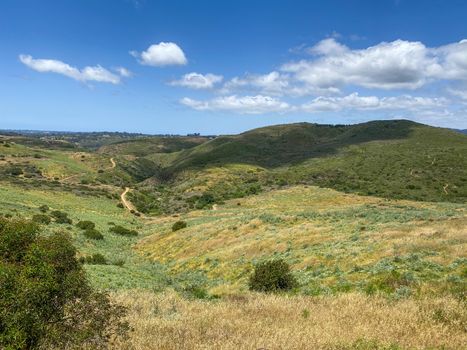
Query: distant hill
[291, 143]
[394, 159]
[149, 145]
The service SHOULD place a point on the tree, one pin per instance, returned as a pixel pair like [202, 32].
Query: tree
[45, 298]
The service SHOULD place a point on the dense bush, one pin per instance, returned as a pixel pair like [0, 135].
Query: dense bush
[44, 208]
[205, 201]
[86, 225]
[41, 219]
[45, 298]
[178, 225]
[61, 217]
[15, 171]
[94, 259]
[272, 276]
[122, 231]
[93, 234]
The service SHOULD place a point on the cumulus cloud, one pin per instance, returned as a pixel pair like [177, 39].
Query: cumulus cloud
[162, 54]
[245, 105]
[89, 73]
[401, 64]
[372, 103]
[396, 65]
[198, 81]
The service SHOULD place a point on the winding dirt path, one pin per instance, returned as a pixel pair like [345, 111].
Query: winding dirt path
[113, 163]
[125, 202]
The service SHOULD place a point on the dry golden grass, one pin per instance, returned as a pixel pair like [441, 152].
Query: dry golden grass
[309, 227]
[253, 321]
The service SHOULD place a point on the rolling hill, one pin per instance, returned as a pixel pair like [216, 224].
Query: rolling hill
[392, 159]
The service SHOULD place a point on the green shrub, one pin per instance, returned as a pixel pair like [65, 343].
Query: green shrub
[178, 225]
[44, 208]
[45, 299]
[86, 225]
[61, 217]
[206, 200]
[94, 259]
[15, 171]
[122, 231]
[272, 276]
[93, 234]
[41, 219]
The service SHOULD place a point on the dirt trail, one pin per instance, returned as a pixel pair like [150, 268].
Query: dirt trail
[125, 202]
[113, 163]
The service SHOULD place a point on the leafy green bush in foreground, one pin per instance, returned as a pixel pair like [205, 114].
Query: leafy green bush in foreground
[272, 276]
[45, 298]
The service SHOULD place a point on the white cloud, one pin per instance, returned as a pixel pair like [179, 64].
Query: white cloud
[401, 64]
[356, 102]
[328, 47]
[396, 65]
[89, 73]
[124, 72]
[459, 93]
[453, 60]
[162, 54]
[198, 81]
[245, 105]
[272, 83]
[389, 65]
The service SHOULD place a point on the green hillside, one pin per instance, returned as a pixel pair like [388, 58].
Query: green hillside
[394, 159]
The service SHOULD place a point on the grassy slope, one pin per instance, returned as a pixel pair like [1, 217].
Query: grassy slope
[275, 322]
[335, 242]
[146, 146]
[394, 159]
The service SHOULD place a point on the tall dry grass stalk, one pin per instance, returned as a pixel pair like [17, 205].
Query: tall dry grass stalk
[253, 321]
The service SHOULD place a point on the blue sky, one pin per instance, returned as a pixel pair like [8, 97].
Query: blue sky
[227, 66]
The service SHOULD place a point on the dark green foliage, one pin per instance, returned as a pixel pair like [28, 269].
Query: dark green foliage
[94, 259]
[178, 225]
[45, 299]
[44, 208]
[41, 219]
[272, 276]
[206, 200]
[92, 233]
[15, 171]
[61, 217]
[122, 231]
[86, 225]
